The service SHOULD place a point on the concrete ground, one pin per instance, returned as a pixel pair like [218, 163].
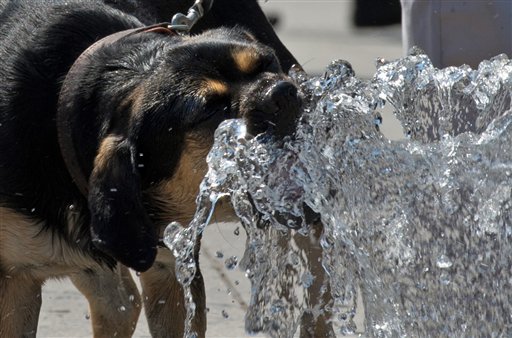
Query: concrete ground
[316, 32]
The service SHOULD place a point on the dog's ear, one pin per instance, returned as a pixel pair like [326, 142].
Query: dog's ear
[120, 225]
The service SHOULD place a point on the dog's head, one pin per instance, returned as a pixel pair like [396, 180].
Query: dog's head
[137, 118]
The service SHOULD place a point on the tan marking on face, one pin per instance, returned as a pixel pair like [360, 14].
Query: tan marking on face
[105, 151]
[246, 59]
[213, 87]
[177, 195]
[27, 247]
[133, 103]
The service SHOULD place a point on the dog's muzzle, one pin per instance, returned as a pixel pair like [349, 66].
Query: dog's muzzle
[272, 105]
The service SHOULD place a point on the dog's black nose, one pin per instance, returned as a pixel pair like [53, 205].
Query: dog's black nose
[274, 107]
[285, 96]
[271, 104]
[282, 92]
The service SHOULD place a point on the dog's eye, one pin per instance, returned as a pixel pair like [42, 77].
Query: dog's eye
[219, 107]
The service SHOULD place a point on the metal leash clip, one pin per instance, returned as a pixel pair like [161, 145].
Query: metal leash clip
[183, 23]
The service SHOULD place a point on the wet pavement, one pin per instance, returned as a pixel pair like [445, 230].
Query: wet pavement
[316, 32]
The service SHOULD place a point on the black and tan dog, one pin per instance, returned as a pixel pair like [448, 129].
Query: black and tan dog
[103, 143]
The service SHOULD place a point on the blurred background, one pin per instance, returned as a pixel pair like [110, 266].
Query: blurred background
[319, 31]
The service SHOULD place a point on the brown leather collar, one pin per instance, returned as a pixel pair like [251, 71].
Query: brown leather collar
[78, 68]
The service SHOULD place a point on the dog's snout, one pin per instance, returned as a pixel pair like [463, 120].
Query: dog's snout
[285, 97]
[272, 104]
[283, 93]
[281, 107]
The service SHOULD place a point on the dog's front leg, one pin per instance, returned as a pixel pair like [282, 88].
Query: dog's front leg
[164, 299]
[314, 324]
[114, 300]
[20, 302]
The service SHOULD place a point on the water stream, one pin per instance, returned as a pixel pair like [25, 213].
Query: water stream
[421, 226]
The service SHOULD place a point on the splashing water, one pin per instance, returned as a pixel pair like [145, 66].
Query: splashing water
[421, 226]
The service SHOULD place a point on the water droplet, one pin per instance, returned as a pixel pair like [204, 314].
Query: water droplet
[307, 279]
[444, 278]
[443, 262]
[219, 254]
[415, 50]
[277, 307]
[231, 262]
[294, 258]
[225, 315]
[349, 327]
